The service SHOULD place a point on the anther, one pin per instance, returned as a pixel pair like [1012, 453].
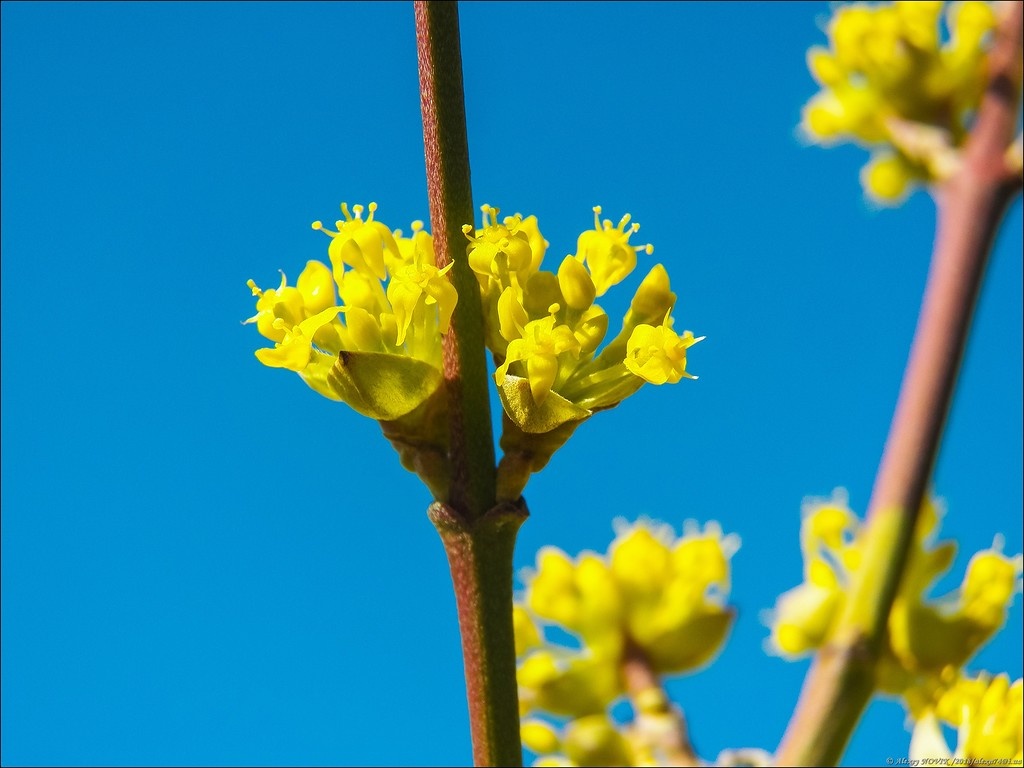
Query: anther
[255, 290]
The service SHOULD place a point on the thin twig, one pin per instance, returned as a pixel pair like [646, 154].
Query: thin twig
[643, 686]
[451, 206]
[478, 536]
[971, 205]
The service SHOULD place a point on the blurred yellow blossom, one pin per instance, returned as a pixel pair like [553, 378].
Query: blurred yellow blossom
[652, 593]
[988, 713]
[926, 637]
[894, 80]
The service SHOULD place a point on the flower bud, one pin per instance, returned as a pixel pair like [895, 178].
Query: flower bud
[576, 284]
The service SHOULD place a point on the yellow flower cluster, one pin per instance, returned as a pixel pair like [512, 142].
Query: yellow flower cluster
[651, 594]
[926, 637]
[544, 327]
[988, 713]
[406, 318]
[891, 82]
[379, 349]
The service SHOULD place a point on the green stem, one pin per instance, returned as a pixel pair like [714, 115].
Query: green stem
[478, 536]
[451, 206]
[480, 557]
[840, 682]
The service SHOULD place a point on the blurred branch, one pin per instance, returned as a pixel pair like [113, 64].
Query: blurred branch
[970, 206]
[657, 719]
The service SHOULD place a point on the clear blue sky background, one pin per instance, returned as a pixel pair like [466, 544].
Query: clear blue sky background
[205, 562]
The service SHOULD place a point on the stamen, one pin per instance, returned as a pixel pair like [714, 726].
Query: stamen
[284, 281]
[373, 207]
[624, 221]
[255, 290]
[553, 309]
[358, 211]
[344, 210]
[418, 225]
[597, 212]
[319, 225]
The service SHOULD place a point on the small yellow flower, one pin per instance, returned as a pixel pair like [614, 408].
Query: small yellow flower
[283, 303]
[890, 81]
[359, 244]
[421, 282]
[539, 348]
[658, 354]
[988, 713]
[606, 251]
[295, 349]
[500, 249]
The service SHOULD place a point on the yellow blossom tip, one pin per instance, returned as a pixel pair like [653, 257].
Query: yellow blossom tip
[344, 210]
[358, 210]
[648, 249]
[418, 225]
[467, 230]
[317, 225]
[255, 289]
[553, 309]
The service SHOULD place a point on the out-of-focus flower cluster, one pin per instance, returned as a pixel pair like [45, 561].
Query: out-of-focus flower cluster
[929, 640]
[379, 350]
[988, 713]
[893, 81]
[653, 597]
[544, 329]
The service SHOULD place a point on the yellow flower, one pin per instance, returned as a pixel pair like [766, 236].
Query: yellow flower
[607, 252]
[890, 81]
[282, 303]
[359, 244]
[674, 590]
[988, 713]
[420, 284]
[500, 249]
[295, 349]
[539, 349]
[658, 354]
[566, 682]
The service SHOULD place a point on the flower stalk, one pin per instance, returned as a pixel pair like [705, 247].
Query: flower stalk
[971, 203]
[645, 691]
[478, 536]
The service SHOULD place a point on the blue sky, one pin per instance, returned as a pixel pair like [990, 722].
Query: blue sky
[204, 562]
